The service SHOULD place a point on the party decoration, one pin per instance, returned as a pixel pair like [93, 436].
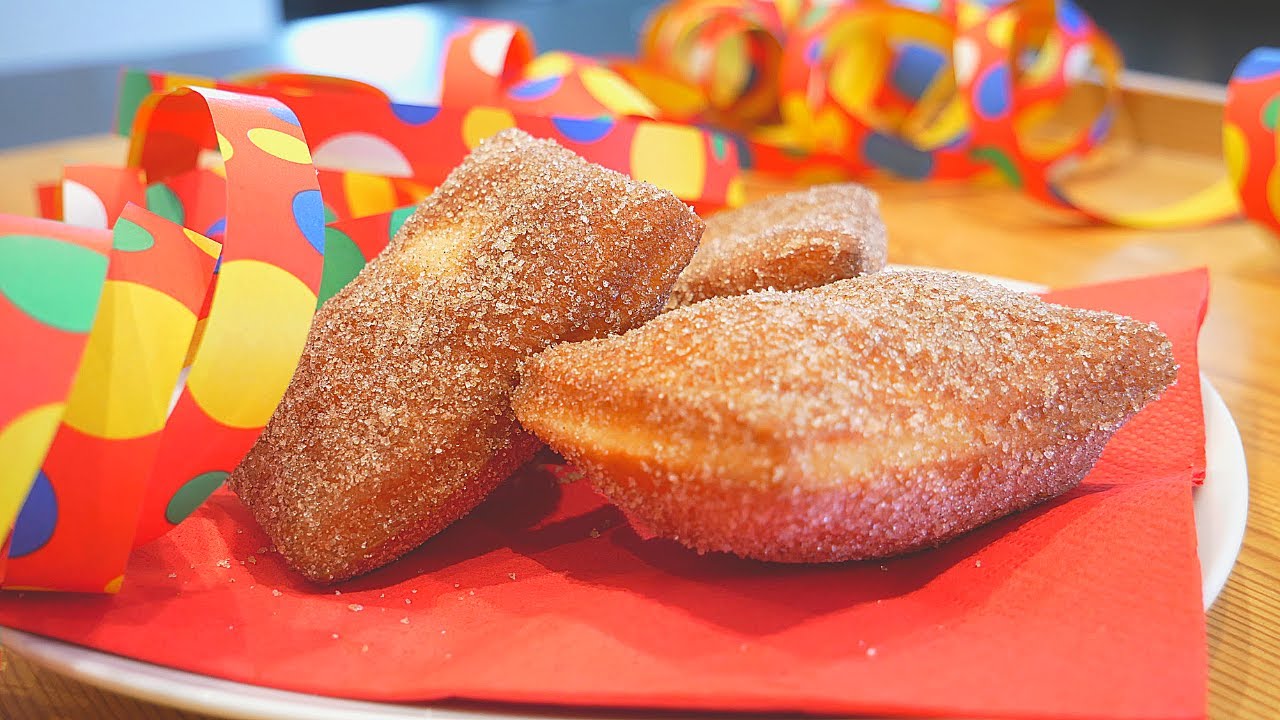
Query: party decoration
[932, 91]
[51, 277]
[87, 493]
[186, 280]
[359, 131]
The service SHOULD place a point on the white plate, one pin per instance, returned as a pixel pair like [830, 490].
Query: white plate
[1221, 506]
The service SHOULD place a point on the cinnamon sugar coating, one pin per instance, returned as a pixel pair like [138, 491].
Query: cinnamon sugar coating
[398, 419]
[793, 241]
[866, 418]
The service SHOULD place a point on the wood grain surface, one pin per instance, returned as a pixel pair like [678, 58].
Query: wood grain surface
[992, 230]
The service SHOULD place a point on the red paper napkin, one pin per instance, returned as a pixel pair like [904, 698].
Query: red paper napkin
[1087, 606]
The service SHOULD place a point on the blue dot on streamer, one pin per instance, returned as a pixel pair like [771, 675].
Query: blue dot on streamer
[308, 213]
[745, 158]
[813, 52]
[415, 114]
[37, 520]
[1259, 63]
[583, 130]
[1102, 125]
[1056, 195]
[536, 89]
[1071, 17]
[915, 69]
[219, 227]
[286, 115]
[993, 92]
[892, 154]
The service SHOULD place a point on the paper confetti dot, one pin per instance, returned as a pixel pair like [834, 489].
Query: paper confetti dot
[55, 282]
[1078, 61]
[964, 58]
[489, 48]
[23, 443]
[342, 261]
[549, 64]
[1259, 63]
[1000, 161]
[583, 130]
[736, 193]
[129, 236]
[165, 203]
[364, 152]
[896, 156]
[1235, 151]
[286, 115]
[414, 114]
[992, 94]
[191, 494]
[671, 157]
[1271, 114]
[398, 218]
[1273, 192]
[530, 90]
[224, 147]
[308, 213]
[115, 395]
[212, 248]
[280, 145]
[82, 206]
[238, 388]
[481, 123]
[1070, 16]
[915, 68]
[368, 194]
[615, 93]
[37, 520]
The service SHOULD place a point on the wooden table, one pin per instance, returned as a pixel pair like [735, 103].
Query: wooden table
[990, 230]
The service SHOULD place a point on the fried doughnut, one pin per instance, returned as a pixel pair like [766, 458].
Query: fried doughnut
[398, 419]
[866, 418]
[794, 241]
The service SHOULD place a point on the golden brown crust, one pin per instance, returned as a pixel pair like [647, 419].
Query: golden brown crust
[793, 241]
[866, 418]
[398, 420]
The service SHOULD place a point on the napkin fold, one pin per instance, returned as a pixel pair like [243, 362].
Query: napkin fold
[1088, 606]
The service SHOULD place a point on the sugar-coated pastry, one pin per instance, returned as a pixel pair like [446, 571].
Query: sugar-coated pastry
[865, 418]
[793, 241]
[398, 419]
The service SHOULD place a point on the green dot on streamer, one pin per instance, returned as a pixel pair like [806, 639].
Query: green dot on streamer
[342, 260]
[718, 146]
[135, 86]
[129, 236]
[192, 494]
[1271, 114]
[55, 282]
[398, 216]
[1001, 162]
[163, 202]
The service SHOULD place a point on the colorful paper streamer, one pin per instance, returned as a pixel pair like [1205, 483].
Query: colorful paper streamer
[161, 321]
[936, 90]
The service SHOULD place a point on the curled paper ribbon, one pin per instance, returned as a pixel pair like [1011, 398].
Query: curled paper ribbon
[927, 91]
[131, 456]
[489, 84]
[211, 287]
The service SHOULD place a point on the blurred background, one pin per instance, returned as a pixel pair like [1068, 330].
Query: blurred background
[59, 59]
